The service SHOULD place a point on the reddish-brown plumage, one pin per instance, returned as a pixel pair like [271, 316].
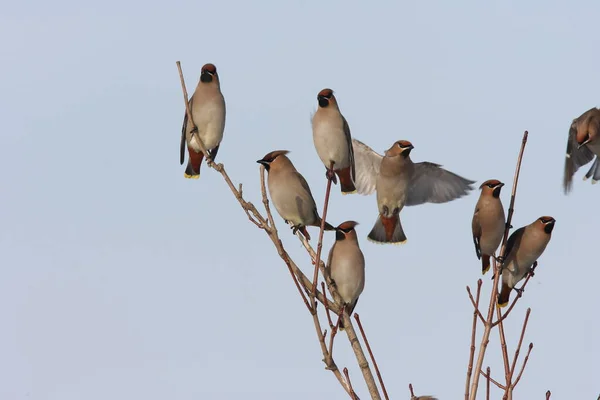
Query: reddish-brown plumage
[390, 225]
[195, 160]
[346, 182]
[326, 93]
[209, 68]
[492, 182]
[347, 225]
[404, 143]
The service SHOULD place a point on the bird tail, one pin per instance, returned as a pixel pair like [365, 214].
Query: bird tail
[594, 172]
[504, 295]
[387, 230]
[485, 263]
[192, 170]
[346, 182]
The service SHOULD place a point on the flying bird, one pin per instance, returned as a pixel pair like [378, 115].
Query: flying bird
[290, 193]
[331, 135]
[488, 222]
[207, 107]
[346, 266]
[583, 144]
[523, 248]
[399, 182]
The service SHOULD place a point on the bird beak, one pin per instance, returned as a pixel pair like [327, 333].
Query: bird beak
[263, 162]
[501, 185]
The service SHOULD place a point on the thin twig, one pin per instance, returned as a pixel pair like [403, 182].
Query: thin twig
[504, 349]
[350, 383]
[475, 305]
[493, 297]
[495, 382]
[516, 357]
[523, 366]
[364, 336]
[412, 393]
[327, 306]
[321, 231]
[487, 386]
[194, 130]
[476, 313]
[548, 394]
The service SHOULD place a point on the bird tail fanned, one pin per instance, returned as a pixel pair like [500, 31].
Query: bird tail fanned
[485, 263]
[192, 170]
[504, 295]
[346, 182]
[387, 230]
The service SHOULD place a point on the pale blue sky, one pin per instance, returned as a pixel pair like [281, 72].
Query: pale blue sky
[121, 279]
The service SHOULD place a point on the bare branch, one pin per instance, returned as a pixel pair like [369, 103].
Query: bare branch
[487, 386]
[516, 357]
[350, 383]
[495, 382]
[517, 297]
[548, 394]
[364, 336]
[493, 297]
[321, 231]
[503, 348]
[476, 313]
[523, 366]
[475, 305]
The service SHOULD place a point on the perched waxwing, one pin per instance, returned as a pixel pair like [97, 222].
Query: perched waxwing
[399, 182]
[346, 266]
[523, 248]
[582, 145]
[331, 134]
[290, 193]
[207, 106]
[488, 222]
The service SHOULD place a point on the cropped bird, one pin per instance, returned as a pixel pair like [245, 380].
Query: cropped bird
[399, 182]
[331, 135]
[346, 266]
[488, 222]
[207, 106]
[582, 145]
[523, 248]
[290, 193]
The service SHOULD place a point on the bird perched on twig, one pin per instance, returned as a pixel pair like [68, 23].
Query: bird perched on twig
[523, 248]
[331, 135]
[290, 193]
[346, 266]
[399, 182]
[207, 106]
[488, 222]
[583, 144]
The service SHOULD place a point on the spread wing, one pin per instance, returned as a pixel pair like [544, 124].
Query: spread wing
[433, 184]
[367, 162]
[350, 147]
[575, 157]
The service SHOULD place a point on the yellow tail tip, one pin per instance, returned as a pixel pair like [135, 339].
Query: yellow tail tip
[187, 176]
[485, 270]
[345, 193]
[502, 305]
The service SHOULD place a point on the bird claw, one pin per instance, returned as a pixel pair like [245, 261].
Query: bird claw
[330, 174]
[519, 291]
[500, 259]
